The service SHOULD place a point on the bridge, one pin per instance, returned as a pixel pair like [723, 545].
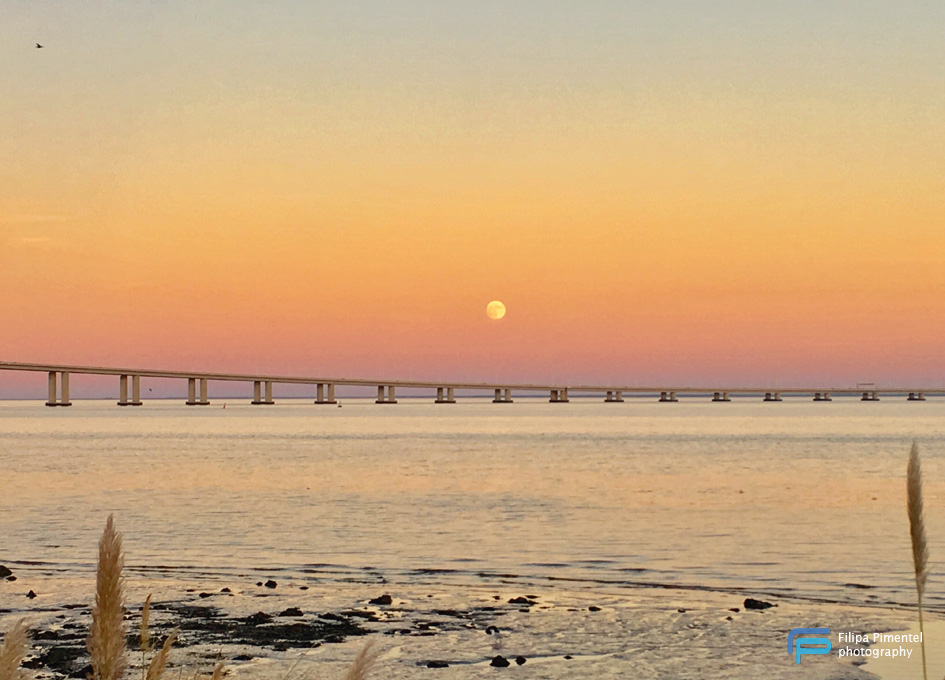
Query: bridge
[129, 387]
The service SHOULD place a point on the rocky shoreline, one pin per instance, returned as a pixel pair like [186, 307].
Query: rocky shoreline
[245, 623]
[61, 650]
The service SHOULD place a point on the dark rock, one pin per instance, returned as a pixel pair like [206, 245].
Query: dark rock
[225, 590]
[728, 618]
[31, 595]
[496, 597]
[437, 664]
[681, 611]
[568, 657]
[492, 630]
[383, 599]
[751, 603]
[11, 578]
[258, 618]
[209, 626]
[592, 608]
[291, 611]
[205, 595]
[532, 597]
[258, 583]
[243, 657]
[61, 659]
[4, 571]
[499, 662]
[520, 660]
[270, 584]
[45, 635]
[520, 600]
[303, 587]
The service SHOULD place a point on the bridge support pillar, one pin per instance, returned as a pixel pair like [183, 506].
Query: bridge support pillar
[192, 392]
[614, 396]
[136, 390]
[259, 395]
[320, 392]
[668, 396]
[822, 396]
[721, 396]
[559, 396]
[123, 390]
[389, 398]
[870, 396]
[916, 396]
[772, 396]
[502, 396]
[63, 399]
[444, 395]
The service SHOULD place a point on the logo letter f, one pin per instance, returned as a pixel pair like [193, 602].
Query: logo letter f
[813, 645]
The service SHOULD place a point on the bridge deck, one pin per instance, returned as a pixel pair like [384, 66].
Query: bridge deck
[519, 387]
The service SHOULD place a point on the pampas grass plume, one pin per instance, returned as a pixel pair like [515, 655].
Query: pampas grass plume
[145, 622]
[107, 640]
[12, 652]
[159, 662]
[920, 548]
[363, 662]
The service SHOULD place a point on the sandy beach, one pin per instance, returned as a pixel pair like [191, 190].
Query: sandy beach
[263, 628]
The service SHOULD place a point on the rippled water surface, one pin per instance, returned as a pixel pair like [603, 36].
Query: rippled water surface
[794, 497]
[797, 499]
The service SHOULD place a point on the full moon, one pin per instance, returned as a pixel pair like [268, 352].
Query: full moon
[495, 310]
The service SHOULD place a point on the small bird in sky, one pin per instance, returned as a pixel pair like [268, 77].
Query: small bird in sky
[38, 46]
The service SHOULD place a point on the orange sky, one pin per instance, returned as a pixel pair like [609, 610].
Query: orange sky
[752, 195]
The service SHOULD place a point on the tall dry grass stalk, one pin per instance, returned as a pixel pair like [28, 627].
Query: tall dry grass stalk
[145, 636]
[107, 640]
[920, 548]
[363, 663]
[159, 662]
[13, 651]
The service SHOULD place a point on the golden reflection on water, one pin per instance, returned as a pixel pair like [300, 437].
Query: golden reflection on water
[805, 496]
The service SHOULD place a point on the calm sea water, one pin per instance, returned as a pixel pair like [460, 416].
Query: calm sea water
[795, 498]
[799, 500]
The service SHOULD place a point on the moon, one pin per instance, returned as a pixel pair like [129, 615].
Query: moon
[495, 310]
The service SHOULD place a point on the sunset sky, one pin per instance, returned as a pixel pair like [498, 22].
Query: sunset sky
[685, 192]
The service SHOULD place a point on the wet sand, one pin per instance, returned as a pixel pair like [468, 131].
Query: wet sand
[262, 628]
